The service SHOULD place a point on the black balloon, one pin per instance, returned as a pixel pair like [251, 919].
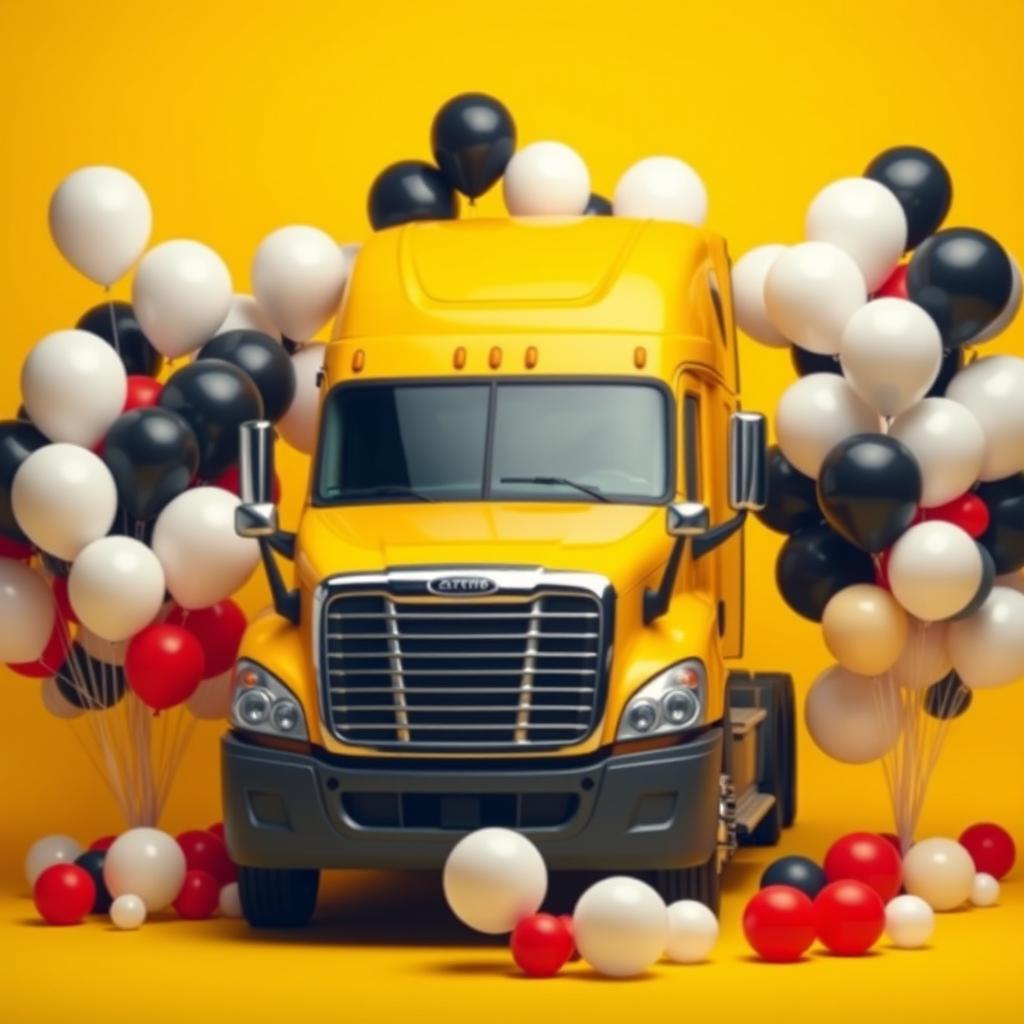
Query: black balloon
[291, 347]
[215, 398]
[410, 190]
[920, 182]
[473, 138]
[952, 364]
[91, 862]
[988, 581]
[805, 362]
[88, 683]
[153, 456]
[799, 872]
[792, 499]
[137, 354]
[962, 278]
[948, 698]
[1004, 538]
[816, 563]
[869, 489]
[18, 440]
[597, 206]
[264, 360]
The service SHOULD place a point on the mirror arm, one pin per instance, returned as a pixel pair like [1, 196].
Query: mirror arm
[719, 535]
[656, 602]
[286, 602]
[283, 542]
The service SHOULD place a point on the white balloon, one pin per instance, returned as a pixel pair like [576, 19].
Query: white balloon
[984, 890]
[63, 498]
[853, 719]
[46, 852]
[204, 560]
[810, 293]
[116, 587]
[661, 188]
[692, 932]
[748, 276]
[298, 426]
[987, 647]
[26, 612]
[814, 414]
[940, 871]
[991, 388]
[947, 440]
[925, 658]
[56, 703]
[128, 912]
[935, 570]
[181, 294]
[1013, 580]
[1009, 311]
[865, 220]
[212, 699]
[106, 651]
[74, 386]
[620, 926]
[298, 276]
[546, 179]
[494, 877]
[891, 352]
[909, 922]
[229, 903]
[100, 218]
[147, 863]
[246, 314]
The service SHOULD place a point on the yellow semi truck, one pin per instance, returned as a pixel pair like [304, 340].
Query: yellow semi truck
[518, 573]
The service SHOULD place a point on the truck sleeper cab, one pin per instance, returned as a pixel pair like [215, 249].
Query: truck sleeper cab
[518, 573]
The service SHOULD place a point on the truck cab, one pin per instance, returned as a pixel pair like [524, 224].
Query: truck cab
[518, 573]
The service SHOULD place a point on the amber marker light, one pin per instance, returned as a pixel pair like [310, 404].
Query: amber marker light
[495, 358]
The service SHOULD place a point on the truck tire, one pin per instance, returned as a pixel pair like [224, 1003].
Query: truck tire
[278, 897]
[701, 883]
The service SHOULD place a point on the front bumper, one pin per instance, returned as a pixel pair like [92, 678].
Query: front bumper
[656, 809]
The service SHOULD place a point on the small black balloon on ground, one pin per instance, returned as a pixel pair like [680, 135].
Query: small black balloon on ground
[91, 862]
[799, 872]
[597, 206]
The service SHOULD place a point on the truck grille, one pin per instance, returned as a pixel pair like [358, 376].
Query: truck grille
[484, 673]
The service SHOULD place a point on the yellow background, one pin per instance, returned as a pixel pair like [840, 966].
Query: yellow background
[241, 117]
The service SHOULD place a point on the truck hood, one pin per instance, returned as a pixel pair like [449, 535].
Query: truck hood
[626, 543]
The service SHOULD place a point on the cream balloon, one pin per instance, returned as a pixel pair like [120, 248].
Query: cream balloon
[105, 651]
[939, 871]
[546, 179]
[246, 314]
[935, 570]
[852, 718]
[212, 699]
[229, 903]
[865, 629]
[298, 426]
[620, 926]
[56, 703]
[50, 850]
[891, 352]
[147, 863]
[661, 188]
[1008, 313]
[987, 647]
[810, 293]
[748, 275]
[26, 612]
[925, 656]
[692, 932]
[127, 912]
[909, 922]
[984, 890]
[814, 414]
[949, 444]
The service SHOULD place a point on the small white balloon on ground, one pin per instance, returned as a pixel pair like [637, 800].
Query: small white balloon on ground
[692, 932]
[909, 922]
[50, 850]
[661, 188]
[984, 890]
[229, 903]
[128, 912]
[940, 871]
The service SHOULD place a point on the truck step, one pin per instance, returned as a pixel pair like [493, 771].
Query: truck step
[751, 807]
[742, 720]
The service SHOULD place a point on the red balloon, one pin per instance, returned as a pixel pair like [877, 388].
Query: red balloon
[895, 285]
[49, 662]
[865, 857]
[229, 481]
[164, 665]
[198, 897]
[894, 841]
[143, 393]
[882, 569]
[851, 917]
[65, 613]
[779, 923]
[14, 549]
[566, 919]
[991, 848]
[217, 828]
[541, 945]
[103, 843]
[218, 629]
[968, 512]
[64, 894]
[206, 852]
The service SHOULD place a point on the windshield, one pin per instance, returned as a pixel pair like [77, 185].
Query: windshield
[508, 441]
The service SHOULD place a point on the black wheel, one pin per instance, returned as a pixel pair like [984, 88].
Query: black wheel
[701, 883]
[278, 897]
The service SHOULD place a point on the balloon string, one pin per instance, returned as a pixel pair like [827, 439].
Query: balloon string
[113, 321]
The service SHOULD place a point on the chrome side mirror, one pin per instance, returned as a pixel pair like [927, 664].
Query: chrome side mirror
[257, 515]
[748, 461]
[687, 519]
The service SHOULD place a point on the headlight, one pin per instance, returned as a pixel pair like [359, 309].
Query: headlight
[672, 701]
[262, 703]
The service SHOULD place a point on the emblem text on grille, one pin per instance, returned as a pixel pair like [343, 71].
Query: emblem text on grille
[460, 586]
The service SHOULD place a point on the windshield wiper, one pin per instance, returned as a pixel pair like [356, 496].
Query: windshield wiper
[556, 481]
[387, 490]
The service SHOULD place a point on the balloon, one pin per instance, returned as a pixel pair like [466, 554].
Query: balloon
[597, 206]
[894, 286]
[164, 666]
[217, 828]
[816, 563]
[299, 424]
[661, 188]
[473, 138]
[891, 353]
[850, 915]
[814, 414]
[410, 190]
[868, 489]
[865, 220]
[620, 926]
[792, 500]
[264, 360]
[796, 872]
[91, 862]
[963, 279]
[204, 559]
[146, 863]
[229, 903]
[940, 871]
[865, 629]
[921, 184]
[909, 922]
[64, 894]
[805, 362]
[991, 848]
[101, 650]
[541, 945]
[948, 698]
[748, 276]
[198, 897]
[26, 612]
[215, 398]
[779, 923]
[218, 629]
[50, 850]
[89, 684]
[1009, 311]
[988, 647]
[867, 858]
[52, 657]
[20, 552]
[810, 293]
[935, 570]
[853, 719]
[100, 219]
[116, 324]
[74, 387]
[991, 389]
[1003, 537]
[142, 393]
[127, 913]
[206, 852]
[546, 179]
[692, 932]
[181, 294]
[968, 512]
[984, 891]
[56, 703]
[246, 314]
[229, 481]
[298, 276]
[212, 699]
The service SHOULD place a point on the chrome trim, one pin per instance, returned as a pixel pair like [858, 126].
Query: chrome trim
[748, 461]
[397, 680]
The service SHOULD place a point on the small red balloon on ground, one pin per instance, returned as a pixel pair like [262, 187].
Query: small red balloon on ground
[991, 848]
[541, 945]
[566, 919]
[198, 897]
[205, 851]
[866, 857]
[64, 894]
[851, 917]
[217, 828]
[103, 843]
[779, 923]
